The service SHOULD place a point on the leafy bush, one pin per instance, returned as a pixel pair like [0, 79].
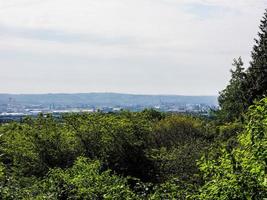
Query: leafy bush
[119, 140]
[240, 173]
[84, 180]
[178, 141]
[33, 147]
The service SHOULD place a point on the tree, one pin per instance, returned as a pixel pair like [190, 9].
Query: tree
[240, 173]
[232, 98]
[84, 180]
[247, 86]
[257, 72]
[178, 141]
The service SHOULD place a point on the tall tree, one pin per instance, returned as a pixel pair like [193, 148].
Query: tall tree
[232, 98]
[257, 72]
[246, 87]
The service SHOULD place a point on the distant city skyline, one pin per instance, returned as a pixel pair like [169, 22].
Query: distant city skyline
[182, 47]
[15, 107]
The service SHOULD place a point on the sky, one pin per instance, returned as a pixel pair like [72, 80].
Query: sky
[183, 47]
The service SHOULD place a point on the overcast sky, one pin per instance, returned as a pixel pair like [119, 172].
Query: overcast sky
[130, 46]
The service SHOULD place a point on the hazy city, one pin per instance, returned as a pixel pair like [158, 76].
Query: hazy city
[15, 107]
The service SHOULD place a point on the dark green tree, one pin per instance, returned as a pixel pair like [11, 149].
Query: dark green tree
[256, 81]
[246, 86]
[232, 98]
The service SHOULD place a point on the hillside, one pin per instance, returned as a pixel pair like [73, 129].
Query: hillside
[105, 99]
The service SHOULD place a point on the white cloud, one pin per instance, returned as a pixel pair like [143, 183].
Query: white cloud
[187, 45]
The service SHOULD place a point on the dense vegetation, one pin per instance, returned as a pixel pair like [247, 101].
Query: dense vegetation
[148, 154]
[101, 155]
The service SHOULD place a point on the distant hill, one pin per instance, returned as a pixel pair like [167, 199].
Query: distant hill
[105, 99]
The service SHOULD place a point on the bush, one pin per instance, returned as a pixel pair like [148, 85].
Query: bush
[31, 148]
[240, 173]
[178, 141]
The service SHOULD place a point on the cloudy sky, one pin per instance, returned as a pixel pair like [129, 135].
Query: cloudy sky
[130, 46]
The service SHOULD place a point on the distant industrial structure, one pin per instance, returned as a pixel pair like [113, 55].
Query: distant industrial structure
[15, 109]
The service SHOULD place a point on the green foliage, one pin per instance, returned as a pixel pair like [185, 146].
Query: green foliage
[33, 147]
[37, 157]
[178, 141]
[84, 180]
[38, 154]
[256, 81]
[127, 155]
[229, 130]
[246, 86]
[176, 130]
[240, 173]
[228, 135]
[232, 98]
[153, 115]
[173, 189]
[119, 140]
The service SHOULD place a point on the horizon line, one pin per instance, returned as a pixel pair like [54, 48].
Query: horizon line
[120, 93]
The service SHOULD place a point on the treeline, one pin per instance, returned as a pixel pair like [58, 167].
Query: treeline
[94, 156]
[148, 154]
